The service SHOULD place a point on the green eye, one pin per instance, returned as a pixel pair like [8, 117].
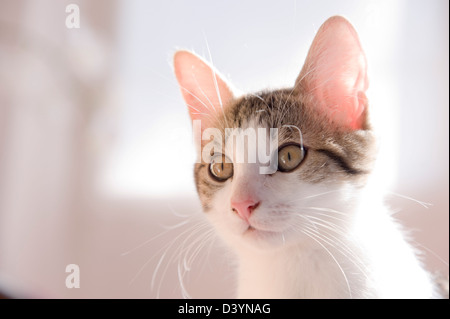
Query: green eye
[221, 170]
[290, 157]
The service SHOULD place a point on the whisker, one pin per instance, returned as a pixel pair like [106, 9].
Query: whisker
[330, 216]
[423, 204]
[312, 236]
[200, 242]
[324, 209]
[342, 248]
[308, 220]
[155, 272]
[167, 248]
[176, 225]
[327, 224]
[184, 292]
[178, 251]
[145, 243]
[187, 262]
[317, 195]
[431, 252]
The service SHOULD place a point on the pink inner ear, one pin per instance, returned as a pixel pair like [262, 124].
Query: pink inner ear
[204, 91]
[335, 73]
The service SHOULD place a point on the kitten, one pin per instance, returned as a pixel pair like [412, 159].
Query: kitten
[313, 228]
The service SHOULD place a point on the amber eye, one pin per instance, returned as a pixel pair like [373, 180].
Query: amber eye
[221, 170]
[289, 157]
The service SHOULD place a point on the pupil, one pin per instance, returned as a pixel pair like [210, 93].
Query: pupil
[289, 156]
[222, 166]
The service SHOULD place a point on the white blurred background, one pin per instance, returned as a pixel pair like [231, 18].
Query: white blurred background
[95, 150]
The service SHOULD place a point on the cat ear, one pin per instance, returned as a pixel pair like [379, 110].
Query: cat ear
[335, 74]
[204, 91]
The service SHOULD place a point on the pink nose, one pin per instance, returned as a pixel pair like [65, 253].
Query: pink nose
[244, 208]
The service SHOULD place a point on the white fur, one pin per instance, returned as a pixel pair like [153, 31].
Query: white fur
[316, 241]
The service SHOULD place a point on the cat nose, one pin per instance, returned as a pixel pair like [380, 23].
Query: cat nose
[244, 208]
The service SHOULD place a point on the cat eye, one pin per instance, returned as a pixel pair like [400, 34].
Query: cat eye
[221, 171]
[290, 157]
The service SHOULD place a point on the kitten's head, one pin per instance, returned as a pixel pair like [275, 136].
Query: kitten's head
[318, 158]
